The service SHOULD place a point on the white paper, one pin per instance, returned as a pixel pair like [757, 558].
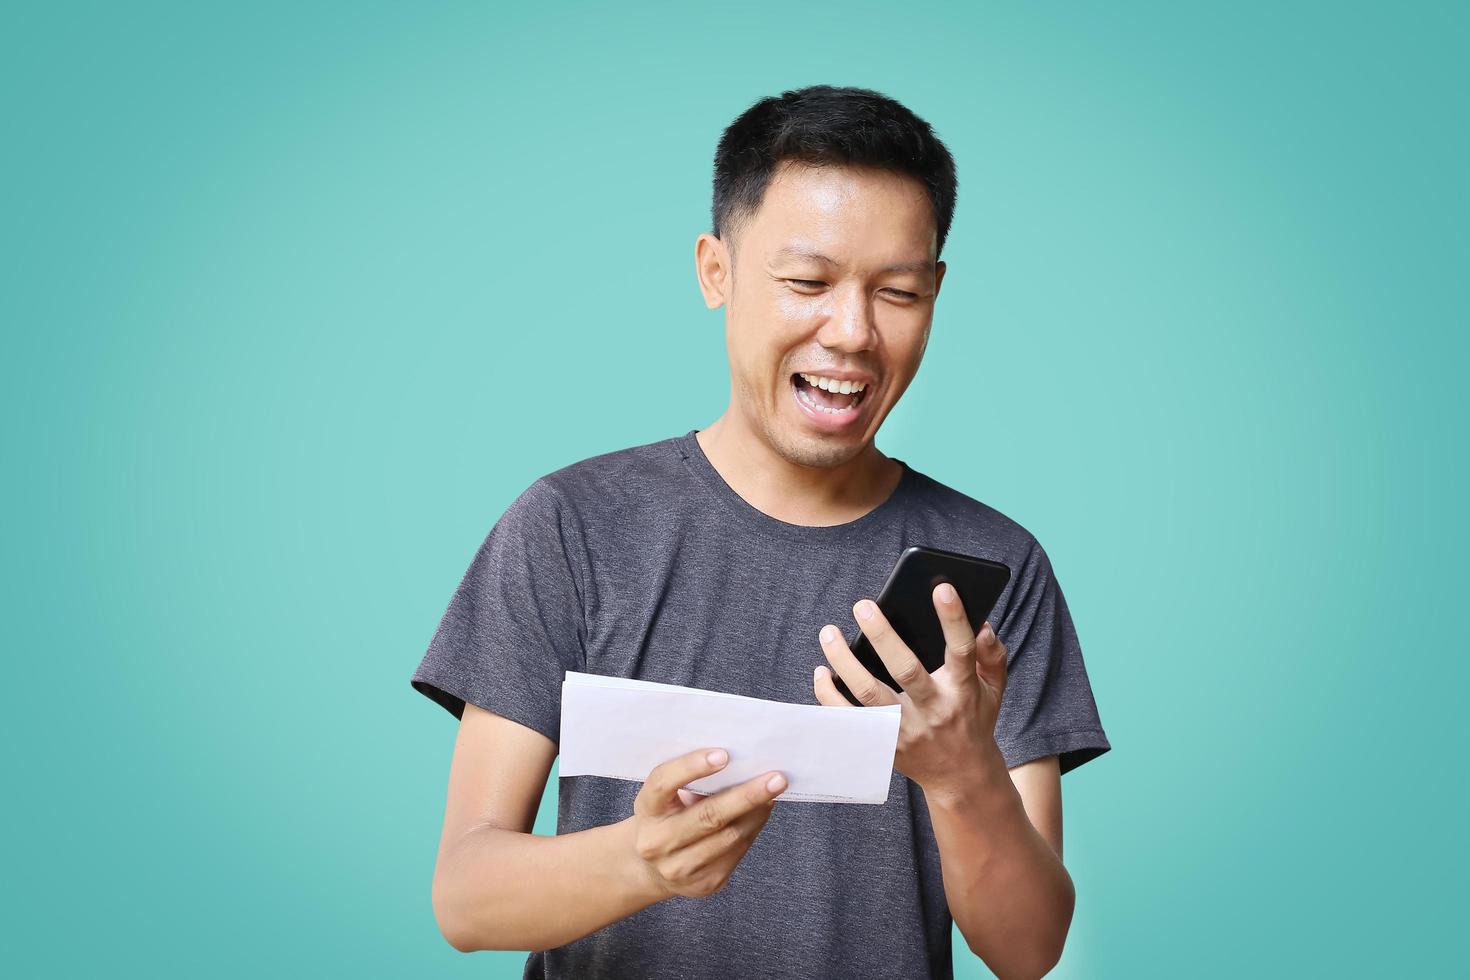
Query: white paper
[614, 726]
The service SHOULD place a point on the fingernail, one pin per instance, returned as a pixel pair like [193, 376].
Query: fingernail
[717, 757]
[776, 783]
[865, 610]
[828, 634]
[946, 593]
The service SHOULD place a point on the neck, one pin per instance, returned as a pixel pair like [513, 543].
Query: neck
[816, 496]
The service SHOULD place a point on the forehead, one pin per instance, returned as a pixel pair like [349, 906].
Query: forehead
[843, 211]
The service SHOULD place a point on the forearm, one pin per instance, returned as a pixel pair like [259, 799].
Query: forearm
[1007, 889]
[500, 889]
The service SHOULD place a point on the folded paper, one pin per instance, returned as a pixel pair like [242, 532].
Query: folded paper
[623, 728]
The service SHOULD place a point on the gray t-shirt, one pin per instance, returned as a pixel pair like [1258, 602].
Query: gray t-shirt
[645, 563]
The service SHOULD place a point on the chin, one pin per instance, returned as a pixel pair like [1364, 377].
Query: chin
[823, 452]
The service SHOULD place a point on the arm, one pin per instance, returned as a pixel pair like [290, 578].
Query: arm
[1003, 836]
[516, 624]
[497, 886]
[1004, 881]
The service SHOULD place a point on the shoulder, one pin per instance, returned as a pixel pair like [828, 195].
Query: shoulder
[976, 528]
[970, 523]
[603, 484]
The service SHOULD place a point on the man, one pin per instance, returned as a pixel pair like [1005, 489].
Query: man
[730, 558]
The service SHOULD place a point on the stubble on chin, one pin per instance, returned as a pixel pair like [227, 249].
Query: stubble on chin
[811, 451]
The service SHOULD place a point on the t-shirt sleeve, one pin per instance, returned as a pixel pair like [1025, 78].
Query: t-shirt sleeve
[515, 624]
[1047, 707]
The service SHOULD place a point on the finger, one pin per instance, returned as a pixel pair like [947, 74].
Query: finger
[863, 685]
[724, 848]
[826, 689]
[990, 658]
[960, 643]
[659, 794]
[905, 668]
[716, 812]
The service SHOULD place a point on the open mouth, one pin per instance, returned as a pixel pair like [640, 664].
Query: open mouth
[826, 396]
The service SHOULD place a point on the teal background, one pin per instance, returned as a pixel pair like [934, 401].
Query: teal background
[299, 297]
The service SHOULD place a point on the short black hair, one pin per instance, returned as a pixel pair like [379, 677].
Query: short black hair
[827, 124]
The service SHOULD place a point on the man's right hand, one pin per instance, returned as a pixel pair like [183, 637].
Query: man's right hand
[689, 844]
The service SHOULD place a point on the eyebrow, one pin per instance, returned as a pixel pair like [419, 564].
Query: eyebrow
[803, 253]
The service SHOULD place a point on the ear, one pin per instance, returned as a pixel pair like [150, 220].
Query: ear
[939, 268]
[712, 266]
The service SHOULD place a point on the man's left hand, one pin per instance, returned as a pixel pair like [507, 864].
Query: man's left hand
[947, 731]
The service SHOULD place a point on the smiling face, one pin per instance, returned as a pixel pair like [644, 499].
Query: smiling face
[834, 280]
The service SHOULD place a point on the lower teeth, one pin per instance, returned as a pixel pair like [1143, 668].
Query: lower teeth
[811, 402]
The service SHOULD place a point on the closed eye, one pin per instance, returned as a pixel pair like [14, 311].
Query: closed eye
[818, 284]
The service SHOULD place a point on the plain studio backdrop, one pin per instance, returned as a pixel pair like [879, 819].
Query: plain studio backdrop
[298, 297]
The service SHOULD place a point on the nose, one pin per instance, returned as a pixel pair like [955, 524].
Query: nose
[850, 327]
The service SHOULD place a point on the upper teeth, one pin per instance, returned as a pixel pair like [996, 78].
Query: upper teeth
[832, 384]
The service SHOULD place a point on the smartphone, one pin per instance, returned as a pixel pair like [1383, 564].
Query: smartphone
[907, 600]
